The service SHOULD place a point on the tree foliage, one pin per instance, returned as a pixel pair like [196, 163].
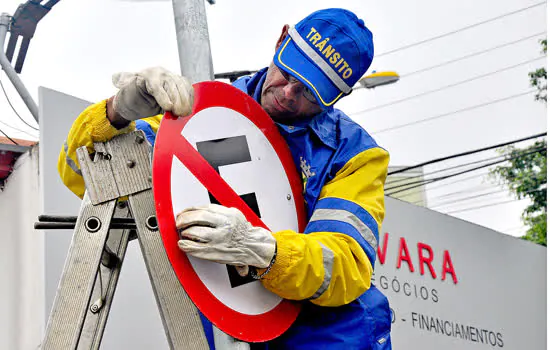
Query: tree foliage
[538, 78]
[525, 172]
[525, 177]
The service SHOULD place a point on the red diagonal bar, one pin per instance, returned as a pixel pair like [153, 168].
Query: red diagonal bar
[212, 181]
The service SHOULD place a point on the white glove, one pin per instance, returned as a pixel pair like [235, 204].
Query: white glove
[150, 92]
[223, 235]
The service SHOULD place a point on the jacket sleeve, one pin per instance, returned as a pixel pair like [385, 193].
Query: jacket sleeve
[91, 126]
[332, 264]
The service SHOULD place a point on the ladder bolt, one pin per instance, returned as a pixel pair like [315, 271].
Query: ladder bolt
[130, 163]
[152, 223]
[96, 306]
[92, 224]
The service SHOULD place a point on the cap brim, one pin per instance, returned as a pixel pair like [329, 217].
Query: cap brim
[291, 59]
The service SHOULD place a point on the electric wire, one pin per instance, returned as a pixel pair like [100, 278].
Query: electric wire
[450, 194]
[460, 29]
[394, 182]
[419, 183]
[482, 206]
[450, 168]
[457, 200]
[14, 128]
[428, 181]
[467, 153]
[401, 76]
[481, 76]
[454, 112]
[469, 190]
[447, 203]
[9, 102]
[9, 138]
[454, 182]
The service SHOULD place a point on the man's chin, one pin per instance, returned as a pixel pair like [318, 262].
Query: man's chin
[282, 119]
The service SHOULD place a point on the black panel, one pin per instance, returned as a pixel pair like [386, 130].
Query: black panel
[227, 151]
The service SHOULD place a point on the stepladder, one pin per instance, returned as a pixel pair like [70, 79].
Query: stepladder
[117, 207]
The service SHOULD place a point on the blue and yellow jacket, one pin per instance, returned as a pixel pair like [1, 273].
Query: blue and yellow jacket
[329, 267]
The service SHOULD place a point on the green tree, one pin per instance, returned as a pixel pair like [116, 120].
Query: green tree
[538, 78]
[525, 176]
[525, 172]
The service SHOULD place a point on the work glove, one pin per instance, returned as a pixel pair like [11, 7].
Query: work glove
[150, 92]
[223, 235]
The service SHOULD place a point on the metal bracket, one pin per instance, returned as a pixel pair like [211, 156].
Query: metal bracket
[115, 172]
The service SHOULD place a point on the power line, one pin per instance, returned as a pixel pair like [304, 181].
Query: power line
[473, 189]
[456, 181]
[9, 138]
[454, 112]
[466, 153]
[428, 181]
[482, 206]
[14, 128]
[454, 201]
[448, 86]
[449, 168]
[449, 183]
[460, 29]
[9, 102]
[447, 203]
[470, 55]
[469, 190]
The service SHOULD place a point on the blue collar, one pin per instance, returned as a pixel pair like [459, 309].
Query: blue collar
[323, 124]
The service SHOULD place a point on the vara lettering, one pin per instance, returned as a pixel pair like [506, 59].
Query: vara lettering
[425, 258]
[322, 45]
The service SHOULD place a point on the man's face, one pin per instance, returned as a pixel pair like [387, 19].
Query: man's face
[284, 100]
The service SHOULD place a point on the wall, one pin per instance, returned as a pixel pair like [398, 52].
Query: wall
[21, 258]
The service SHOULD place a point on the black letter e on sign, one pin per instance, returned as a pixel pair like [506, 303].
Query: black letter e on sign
[227, 151]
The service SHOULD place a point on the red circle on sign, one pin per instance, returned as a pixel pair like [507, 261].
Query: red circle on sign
[170, 143]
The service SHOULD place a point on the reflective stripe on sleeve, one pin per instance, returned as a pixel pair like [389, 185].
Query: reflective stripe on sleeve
[328, 261]
[69, 161]
[349, 218]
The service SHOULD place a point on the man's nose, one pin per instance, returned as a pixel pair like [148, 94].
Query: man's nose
[293, 90]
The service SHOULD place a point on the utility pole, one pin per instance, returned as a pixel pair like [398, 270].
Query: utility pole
[193, 40]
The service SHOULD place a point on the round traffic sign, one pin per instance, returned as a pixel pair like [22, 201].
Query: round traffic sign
[228, 151]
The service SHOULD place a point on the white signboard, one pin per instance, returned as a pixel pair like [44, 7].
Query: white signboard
[455, 285]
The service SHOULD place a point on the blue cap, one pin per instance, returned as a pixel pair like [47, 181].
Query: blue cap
[328, 51]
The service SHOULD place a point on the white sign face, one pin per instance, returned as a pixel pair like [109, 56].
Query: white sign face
[252, 168]
[456, 285]
[228, 152]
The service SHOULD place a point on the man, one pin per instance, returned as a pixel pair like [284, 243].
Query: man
[327, 268]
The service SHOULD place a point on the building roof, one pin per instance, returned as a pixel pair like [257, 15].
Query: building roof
[9, 152]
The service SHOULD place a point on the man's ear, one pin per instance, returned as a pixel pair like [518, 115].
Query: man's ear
[284, 33]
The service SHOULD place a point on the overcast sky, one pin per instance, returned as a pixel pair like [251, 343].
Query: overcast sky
[79, 44]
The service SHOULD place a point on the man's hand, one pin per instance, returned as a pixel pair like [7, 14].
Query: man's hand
[151, 92]
[223, 235]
